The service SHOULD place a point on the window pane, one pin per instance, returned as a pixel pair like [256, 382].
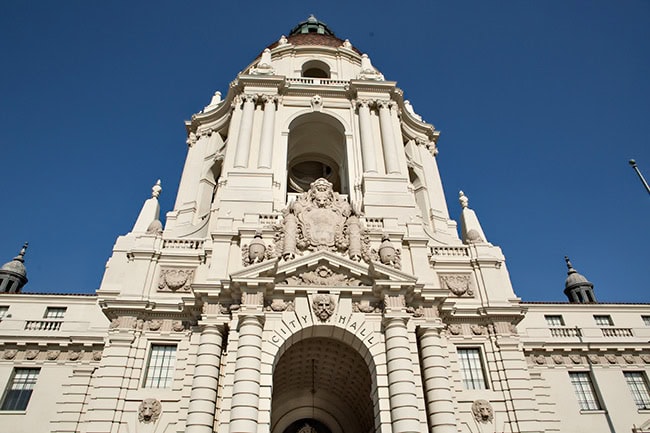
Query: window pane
[3, 311]
[584, 391]
[19, 390]
[555, 320]
[471, 368]
[54, 312]
[604, 320]
[639, 387]
[160, 370]
[646, 320]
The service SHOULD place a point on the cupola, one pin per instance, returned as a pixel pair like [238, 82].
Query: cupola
[577, 288]
[13, 275]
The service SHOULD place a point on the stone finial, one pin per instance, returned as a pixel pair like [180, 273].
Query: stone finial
[21, 255]
[216, 98]
[264, 66]
[568, 264]
[283, 40]
[462, 198]
[347, 44]
[156, 190]
[368, 72]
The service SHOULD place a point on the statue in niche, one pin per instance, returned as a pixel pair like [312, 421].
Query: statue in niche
[323, 306]
[482, 411]
[318, 220]
[149, 410]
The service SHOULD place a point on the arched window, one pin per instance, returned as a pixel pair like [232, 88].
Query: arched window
[316, 149]
[315, 69]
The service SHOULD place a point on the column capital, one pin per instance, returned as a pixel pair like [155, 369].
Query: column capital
[268, 99]
[364, 103]
[385, 104]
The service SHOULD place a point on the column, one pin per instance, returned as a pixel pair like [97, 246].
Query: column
[266, 141]
[202, 407]
[246, 387]
[401, 385]
[435, 375]
[365, 130]
[245, 132]
[388, 137]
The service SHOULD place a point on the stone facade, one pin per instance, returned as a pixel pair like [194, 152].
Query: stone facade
[310, 278]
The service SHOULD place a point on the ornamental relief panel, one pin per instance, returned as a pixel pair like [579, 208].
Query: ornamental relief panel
[458, 284]
[52, 354]
[323, 276]
[175, 280]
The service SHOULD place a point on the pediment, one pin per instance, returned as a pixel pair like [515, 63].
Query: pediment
[323, 269]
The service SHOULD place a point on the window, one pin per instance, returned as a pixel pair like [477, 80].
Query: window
[54, 312]
[471, 367]
[3, 311]
[20, 389]
[584, 389]
[646, 320]
[638, 384]
[554, 320]
[160, 369]
[604, 320]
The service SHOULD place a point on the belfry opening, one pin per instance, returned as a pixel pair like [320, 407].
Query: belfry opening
[322, 385]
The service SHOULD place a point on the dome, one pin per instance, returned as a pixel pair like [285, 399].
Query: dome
[574, 278]
[313, 32]
[311, 25]
[16, 266]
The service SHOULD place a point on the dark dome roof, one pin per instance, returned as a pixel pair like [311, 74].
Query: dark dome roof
[313, 32]
[311, 25]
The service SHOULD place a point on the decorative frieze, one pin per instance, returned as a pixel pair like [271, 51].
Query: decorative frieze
[279, 305]
[322, 276]
[173, 280]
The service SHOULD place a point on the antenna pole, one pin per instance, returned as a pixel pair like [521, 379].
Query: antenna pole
[638, 172]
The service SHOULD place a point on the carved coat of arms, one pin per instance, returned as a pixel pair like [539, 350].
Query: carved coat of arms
[320, 219]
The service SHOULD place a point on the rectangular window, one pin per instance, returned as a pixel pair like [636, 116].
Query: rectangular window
[471, 367]
[638, 384]
[646, 320]
[54, 312]
[160, 369]
[584, 389]
[19, 390]
[554, 320]
[604, 320]
[3, 311]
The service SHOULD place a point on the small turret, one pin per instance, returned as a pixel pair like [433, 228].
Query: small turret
[13, 275]
[577, 288]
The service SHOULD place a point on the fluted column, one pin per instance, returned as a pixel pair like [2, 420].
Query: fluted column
[388, 137]
[246, 388]
[245, 131]
[365, 130]
[401, 385]
[266, 140]
[202, 407]
[435, 375]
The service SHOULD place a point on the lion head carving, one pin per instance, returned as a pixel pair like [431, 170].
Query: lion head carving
[482, 410]
[149, 410]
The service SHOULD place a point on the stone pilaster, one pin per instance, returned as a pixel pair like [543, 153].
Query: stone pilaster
[401, 385]
[246, 387]
[202, 407]
[245, 132]
[365, 130]
[265, 157]
[435, 375]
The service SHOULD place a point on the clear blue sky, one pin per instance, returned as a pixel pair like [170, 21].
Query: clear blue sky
[540, 105]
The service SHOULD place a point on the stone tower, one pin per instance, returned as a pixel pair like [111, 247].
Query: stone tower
[309, 277]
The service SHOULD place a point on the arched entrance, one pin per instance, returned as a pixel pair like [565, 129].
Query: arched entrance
[322, 383]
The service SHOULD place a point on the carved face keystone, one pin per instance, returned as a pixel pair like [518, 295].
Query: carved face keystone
[323, 307]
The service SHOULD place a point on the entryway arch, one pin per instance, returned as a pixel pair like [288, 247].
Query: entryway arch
[323, 382]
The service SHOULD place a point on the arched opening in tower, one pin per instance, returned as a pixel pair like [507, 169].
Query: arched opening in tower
[322, 385]
[316, 148]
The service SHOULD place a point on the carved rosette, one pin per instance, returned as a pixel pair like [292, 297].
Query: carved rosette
[459, 285]
[455, 329]
[611, 358]
[31, 354]
[478, 329]
[628, 358]
[53, 354]
[154, 325]
[320, 219]
[173, 280]
[593, 359]
[10, 354]
[576, 359]
[558, 359]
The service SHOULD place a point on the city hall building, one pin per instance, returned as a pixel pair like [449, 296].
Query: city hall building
[311, 279]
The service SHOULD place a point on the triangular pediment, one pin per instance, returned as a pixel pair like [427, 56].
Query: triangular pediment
[325, 269]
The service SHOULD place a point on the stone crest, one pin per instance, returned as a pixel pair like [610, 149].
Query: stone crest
[459, 285]
[320, 219]
[149, 410]
[174, 280]
[323, 306]
[482, 411]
